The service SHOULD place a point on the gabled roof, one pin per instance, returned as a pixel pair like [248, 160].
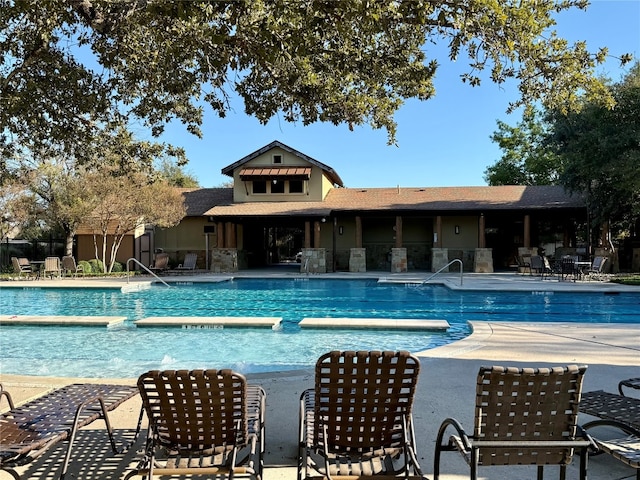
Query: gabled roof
[219, 201]
[507, 197]
[330, 172]
[199, 201]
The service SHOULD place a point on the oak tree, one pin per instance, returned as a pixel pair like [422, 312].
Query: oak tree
[68, 67]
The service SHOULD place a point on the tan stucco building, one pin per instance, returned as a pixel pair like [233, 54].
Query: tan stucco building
[284, 202]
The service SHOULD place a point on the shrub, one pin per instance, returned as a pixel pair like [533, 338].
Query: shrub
[86, 266]
[117, 267]
[96, 265]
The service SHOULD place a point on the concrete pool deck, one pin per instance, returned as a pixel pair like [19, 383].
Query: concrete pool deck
[446, 387]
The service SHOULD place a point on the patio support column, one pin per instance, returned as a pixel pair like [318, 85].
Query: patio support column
[358, 231]
[307, 234]
[438, 240]
[230, 235]
[482, 242]
[220, 235]
[398, 231]
[527, 231]
[316, 234]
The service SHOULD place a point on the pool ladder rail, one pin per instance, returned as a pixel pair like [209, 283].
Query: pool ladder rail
[135, 260]
[455, 260]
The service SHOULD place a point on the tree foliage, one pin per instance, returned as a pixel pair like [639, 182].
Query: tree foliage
[176, 175]
[601, 152]
[526, 157]
[68, 67]
[126, 202]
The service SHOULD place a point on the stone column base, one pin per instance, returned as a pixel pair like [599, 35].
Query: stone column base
[224, 260]
[439, 258]
[314, 260]
[398, 260]
[358, 260]
[483, 260]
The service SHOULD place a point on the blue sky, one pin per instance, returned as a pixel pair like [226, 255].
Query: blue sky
[444, 141]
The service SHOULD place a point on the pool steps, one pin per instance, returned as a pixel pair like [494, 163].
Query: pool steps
[383, 323]
[60, 320]
[228, 322]
[210, 322]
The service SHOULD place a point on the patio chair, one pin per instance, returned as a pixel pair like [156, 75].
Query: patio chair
[621, 413]
[524, 264]
[189, 263]
[70, 267]
[357, 421]
[596, 269]
[52, 267]
[202, 422]
[27, 431]
[161, 263]
[20, 266]
[523, 416]
[568, 267]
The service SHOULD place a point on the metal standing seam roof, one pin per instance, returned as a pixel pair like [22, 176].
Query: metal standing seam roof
[219, 202]
[271, 172]
[330, 172]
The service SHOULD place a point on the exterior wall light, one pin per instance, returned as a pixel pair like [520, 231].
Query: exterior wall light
[456, 229]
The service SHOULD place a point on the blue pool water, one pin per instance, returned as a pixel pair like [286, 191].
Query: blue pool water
[127, 351]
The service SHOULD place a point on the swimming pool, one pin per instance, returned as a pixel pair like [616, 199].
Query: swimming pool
[127, 351]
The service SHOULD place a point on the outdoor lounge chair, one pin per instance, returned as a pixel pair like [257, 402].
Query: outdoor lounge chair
[357, 420]
[52, 267]
[596, 269]
[623, 414]
[70, 267]
[189, 263]
[20, 266]
[161, 263]
[568, 268]
[522, 417]
[30, 429]
[202, 422]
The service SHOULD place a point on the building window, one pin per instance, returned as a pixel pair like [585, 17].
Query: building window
[259, 186]
[295, 186]
[276, 159]
[277, 186]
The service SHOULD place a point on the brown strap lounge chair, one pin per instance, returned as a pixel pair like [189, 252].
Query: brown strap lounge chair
[202, 422]
[161, 263]
[20, 266]
[357, 421]
[522, 417]
[30, 429]
[622, 413]
[70, 267]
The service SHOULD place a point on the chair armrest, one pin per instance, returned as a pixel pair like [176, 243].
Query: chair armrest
[4, 393]
[455, 424]
[626, 428]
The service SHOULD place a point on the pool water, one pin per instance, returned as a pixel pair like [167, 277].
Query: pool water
[127, 351]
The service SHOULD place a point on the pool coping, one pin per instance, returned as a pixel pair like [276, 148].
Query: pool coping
[507, 281]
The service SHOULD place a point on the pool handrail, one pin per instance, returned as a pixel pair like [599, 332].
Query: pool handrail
[135, 260]
[455, 260]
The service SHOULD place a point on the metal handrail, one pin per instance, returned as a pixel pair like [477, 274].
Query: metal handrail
[144, 267]
[447, 266]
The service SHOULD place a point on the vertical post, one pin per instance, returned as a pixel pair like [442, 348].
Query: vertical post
[307, 234]
[316, 234]
[482, 241]
[438, 242]
[220, 235]
[335, 243]
[398, 231]
[358, 231]
[527, 231]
